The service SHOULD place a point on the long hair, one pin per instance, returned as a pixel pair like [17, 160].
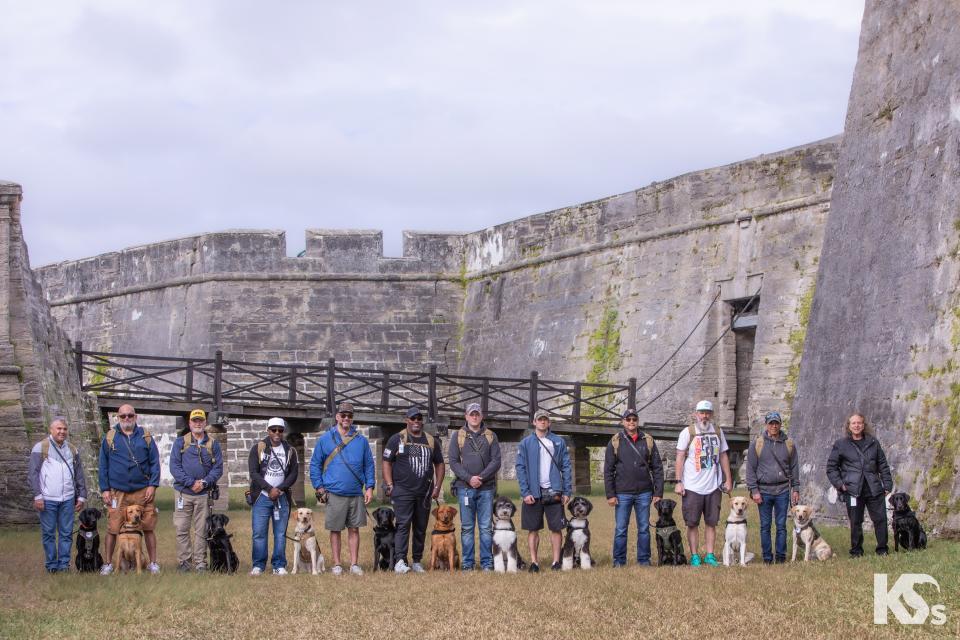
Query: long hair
[867, 429]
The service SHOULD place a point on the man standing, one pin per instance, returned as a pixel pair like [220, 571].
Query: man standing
[701, 454]
[546, 484]
[343, 476]
[129, 475]
[413, 471]
[273, 468]
[59, 489]
[632, 479]
[475, 459]
[196, 463]
[773, 478]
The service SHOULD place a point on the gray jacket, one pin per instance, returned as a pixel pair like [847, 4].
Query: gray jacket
[56, 478]
[766, 475]
[478, 458]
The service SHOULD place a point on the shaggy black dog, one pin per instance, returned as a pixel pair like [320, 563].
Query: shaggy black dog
[88, 542]
[907, 531]
[222, 557]
[383, 534]
[669, 540]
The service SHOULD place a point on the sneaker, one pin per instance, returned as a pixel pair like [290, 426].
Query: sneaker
[555, 566]
[357, 571]
[280, 571]
[534, 568]
[183, 567]
[486, 570]
[695, 560]
[645, 563]
[256, 571]
[153, 568]
[401, 567]
[711, 560]
[418, 568]
[767, 561]
[201, 569]
[337, 570]
[106, 569]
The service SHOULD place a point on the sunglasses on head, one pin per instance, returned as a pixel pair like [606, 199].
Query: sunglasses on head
[275, 429]
[124, 416]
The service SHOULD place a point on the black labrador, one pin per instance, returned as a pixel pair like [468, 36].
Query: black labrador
[907, 531]
[383, 535]
[88, 542]
[669, 539]
[222, 557]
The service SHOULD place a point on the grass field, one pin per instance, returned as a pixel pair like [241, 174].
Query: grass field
[815, 600]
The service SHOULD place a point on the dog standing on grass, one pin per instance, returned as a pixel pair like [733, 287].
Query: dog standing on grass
[735, 535]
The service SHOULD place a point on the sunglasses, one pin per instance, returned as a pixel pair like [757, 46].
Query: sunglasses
[125, 416]
[346, 415]
[632, 419]
[275, 429]
[416, 418]
[198, 419]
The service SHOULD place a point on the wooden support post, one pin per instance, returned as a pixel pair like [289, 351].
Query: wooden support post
[331, 381]
[218, 381]
[78, 359]
[534, 396]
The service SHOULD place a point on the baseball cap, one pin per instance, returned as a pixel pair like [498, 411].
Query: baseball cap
[414, 411]
[276, 422]
[630, 412]
[773, 416]
[704, 405]
[473, 406]
[541, 414]
[198, 413]
[344, 407]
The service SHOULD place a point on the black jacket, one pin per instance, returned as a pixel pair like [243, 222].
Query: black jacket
[847, 465]
[257, 468]
[626, 472]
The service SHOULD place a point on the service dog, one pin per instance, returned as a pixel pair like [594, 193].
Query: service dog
[806, 535]
[130, 553]
[669, 539]
[576, 548]
[443, 540]
[383, 539]
[735, 535]
[88, 542]
[306, 547]
[907, 531]
[506, 556]
[222, 557]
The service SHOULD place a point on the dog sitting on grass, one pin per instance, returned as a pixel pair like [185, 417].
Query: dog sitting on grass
[88, 542]
[306, 547]
[222, 557]
[130, 553]
[576, 549]
[384, 531]
[669, 540]
[443, 540]
[907, 531]
[806, 535]
[506, 556]
[735, 535]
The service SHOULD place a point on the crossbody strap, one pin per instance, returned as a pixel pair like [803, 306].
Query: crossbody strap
[73, 476]
[554, 460]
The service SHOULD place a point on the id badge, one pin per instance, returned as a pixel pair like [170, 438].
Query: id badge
[113, 503]
[400, 448]
[276, 513]
[180, 502]
[466, 501]
[853, 501]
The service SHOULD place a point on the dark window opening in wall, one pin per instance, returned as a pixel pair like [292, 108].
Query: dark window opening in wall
[744, 312]
[743, 315]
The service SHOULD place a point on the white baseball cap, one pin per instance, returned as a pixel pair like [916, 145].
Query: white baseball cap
[276, 422]
[705, 405]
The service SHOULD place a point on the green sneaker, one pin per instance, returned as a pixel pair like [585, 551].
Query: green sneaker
[711, 560]
[695, 560]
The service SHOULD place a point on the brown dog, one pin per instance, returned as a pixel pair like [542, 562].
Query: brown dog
[130, 541]
[443, 540]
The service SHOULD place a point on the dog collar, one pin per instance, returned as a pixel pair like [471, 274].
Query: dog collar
[729, 521]
[437, 532]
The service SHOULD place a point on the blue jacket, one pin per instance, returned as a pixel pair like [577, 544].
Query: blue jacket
[194, 464]
[119, 470]
[528, 466]
[338, 479]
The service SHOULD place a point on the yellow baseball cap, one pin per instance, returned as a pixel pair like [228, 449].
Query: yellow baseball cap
[198, 413]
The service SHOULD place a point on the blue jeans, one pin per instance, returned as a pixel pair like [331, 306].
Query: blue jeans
[639, 503]
[262, 516]
[57, 517]
[476, 506]
[771, 505]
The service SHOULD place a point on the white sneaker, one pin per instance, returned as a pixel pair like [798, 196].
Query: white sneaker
[337, 570]
[256, 571]
[154, 568]
[418, 568]
[356, 570]
[400, 568]
[106, 569]
[280, 572]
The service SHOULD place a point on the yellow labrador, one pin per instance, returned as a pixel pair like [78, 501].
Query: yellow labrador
[735, 535]
[805, 534]
[306, 549]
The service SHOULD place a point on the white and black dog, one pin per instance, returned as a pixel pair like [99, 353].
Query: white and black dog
[576, 549]
[506, 557]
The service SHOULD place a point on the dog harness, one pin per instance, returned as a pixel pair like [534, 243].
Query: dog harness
[797, 530]
[664, 533]
[440, 532]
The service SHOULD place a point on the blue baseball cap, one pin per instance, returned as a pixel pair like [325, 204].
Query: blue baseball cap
[414, 411]
[773, 416]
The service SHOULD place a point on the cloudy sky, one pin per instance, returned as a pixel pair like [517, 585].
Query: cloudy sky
[133, 122]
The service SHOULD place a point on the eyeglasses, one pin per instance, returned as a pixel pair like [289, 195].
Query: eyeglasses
[346, 415]
[198, 419]
[275, 429]
[416, 418]
[126, 416]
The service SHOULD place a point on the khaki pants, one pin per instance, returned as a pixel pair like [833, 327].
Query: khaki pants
[191, 518]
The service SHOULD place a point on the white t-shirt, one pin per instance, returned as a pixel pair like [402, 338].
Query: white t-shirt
[701, 469]
[276, 465]
[545, 462]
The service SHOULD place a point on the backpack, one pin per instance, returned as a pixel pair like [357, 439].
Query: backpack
[45, 449]
[462, 439]
[758, 447]
[188, 440]
[404, 439]
[692, 430]
[615, 441]
[112, 434]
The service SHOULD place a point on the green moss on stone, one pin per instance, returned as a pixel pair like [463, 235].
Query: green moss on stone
[796, 339]
[603, 350]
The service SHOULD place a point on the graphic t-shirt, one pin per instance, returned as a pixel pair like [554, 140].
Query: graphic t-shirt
[276, 466]
[701, 469]
[412, 463]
